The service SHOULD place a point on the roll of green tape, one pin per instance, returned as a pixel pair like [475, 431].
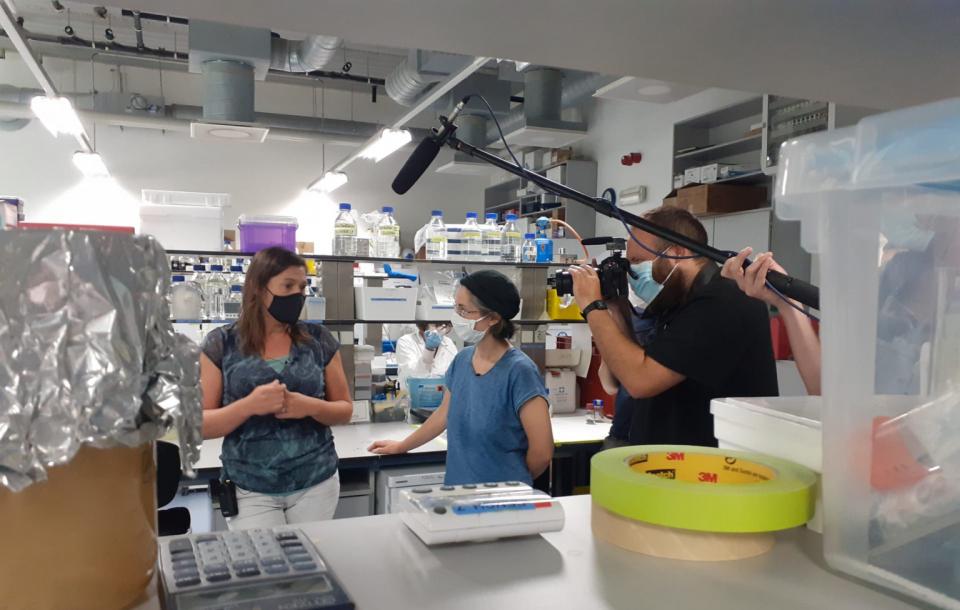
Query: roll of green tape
[703, 489]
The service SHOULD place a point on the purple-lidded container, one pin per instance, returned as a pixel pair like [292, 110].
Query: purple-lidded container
[259, 232]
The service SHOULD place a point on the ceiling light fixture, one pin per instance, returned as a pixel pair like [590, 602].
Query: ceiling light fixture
[57, 115]
[91, 165]
[388, 142]
[330, 182]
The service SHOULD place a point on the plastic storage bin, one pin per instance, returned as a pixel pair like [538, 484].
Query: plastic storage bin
[385, 303]
[785, 427]
[556, 312]
[880, 204]
[259, 232]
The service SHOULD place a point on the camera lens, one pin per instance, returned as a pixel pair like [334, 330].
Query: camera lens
[563, 282]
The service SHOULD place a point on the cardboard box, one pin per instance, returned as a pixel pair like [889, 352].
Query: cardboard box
[305, 247]
[692, 176]
[719, 198]
[717, 171]
[562, 385]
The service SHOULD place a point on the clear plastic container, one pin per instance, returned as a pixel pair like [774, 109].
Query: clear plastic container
[491, 234]
[511, 240]
[528, 252]
[387, 243]
[345, 232]
[259, 232]
[186, 299]
[436, 237]
[880, 204]
[236, 277]
[472, 238]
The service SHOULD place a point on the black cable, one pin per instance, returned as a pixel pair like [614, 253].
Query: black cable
[612, 201]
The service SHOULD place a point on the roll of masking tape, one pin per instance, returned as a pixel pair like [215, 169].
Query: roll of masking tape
[702, 489]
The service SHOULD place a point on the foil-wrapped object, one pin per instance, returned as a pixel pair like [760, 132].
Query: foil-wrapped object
[87, 351]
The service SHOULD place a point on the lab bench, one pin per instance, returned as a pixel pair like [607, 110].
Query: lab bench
[575, 440]
[381, 564]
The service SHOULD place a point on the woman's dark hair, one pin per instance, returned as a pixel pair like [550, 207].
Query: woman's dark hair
[251, 326]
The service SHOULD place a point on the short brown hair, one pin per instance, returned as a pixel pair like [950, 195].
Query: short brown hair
[266, 264]
[679, 221]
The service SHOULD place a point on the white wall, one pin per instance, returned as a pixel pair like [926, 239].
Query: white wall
[619, 127]
[267, 178]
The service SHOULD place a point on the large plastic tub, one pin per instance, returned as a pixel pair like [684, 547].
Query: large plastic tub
[880, 204]
[259, 232]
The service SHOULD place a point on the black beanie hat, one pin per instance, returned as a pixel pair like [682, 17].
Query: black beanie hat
[494, 291]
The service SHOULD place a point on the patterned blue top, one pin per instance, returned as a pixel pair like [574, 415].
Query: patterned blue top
[266, 454]
[486, 442]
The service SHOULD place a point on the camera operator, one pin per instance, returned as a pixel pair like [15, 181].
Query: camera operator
[710, 339]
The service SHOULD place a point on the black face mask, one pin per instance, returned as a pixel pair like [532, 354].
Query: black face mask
[287, 309]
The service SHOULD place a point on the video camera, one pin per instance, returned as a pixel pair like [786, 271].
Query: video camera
[613, 272]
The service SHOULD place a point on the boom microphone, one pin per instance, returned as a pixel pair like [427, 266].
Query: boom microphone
[425, 152]
[423, 155]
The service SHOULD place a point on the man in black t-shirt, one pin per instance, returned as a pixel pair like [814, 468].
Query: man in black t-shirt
[711, 340]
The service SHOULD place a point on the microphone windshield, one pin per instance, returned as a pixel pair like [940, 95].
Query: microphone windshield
[418, 163]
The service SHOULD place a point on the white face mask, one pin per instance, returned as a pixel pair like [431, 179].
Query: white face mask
[465, 328]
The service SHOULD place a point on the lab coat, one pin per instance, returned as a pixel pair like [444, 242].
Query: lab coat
[415, 360]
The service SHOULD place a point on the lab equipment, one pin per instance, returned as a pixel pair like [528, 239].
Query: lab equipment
[217, 290]
[199, 279]
[262, 568]
[543, 241]
[511, 240]
[393, 480]
[890, 408]
[259, 232]
[436, 237]
[345, 232]
[234, 303]
[472, 238]
[475, 513]
[186, 299]
[388, 235]
[528, 252]
[595, 412]
[491, 238]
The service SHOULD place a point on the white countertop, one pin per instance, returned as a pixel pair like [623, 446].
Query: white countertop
[382, 564]
[352, 440]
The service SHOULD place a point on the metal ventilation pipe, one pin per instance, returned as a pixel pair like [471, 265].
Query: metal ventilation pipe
[472, 129]
[9, 93]
[228, 91]
[408, 82]
[573, 92]
[542, 90]
[311, 53]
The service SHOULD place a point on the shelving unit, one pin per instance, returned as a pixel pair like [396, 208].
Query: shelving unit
[733, 147]
[578, 174]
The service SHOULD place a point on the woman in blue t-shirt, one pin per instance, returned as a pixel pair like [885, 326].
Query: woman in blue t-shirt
[495, 407]
[273, 386]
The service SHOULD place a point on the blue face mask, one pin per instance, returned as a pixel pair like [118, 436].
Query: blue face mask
[644, 286]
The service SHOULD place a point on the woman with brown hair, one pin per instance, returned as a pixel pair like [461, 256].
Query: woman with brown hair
[273, 386]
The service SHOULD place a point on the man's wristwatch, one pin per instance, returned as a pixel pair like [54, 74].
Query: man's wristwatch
[598, 304]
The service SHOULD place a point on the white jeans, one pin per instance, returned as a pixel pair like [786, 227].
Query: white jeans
[258, 510]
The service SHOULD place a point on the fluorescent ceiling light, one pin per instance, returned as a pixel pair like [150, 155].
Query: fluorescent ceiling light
[91, 165]
[389, 141]
[330, 182]
[57, 115]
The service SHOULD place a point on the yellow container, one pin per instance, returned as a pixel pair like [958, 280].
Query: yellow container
[311, 266]
[556, 312]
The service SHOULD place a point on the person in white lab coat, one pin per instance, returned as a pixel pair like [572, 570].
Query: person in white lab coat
[425, 353]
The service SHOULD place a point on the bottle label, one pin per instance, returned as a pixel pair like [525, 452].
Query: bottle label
[470, 234]
[438, 239]
[512, 235]
[389, 231]
[345, 230]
